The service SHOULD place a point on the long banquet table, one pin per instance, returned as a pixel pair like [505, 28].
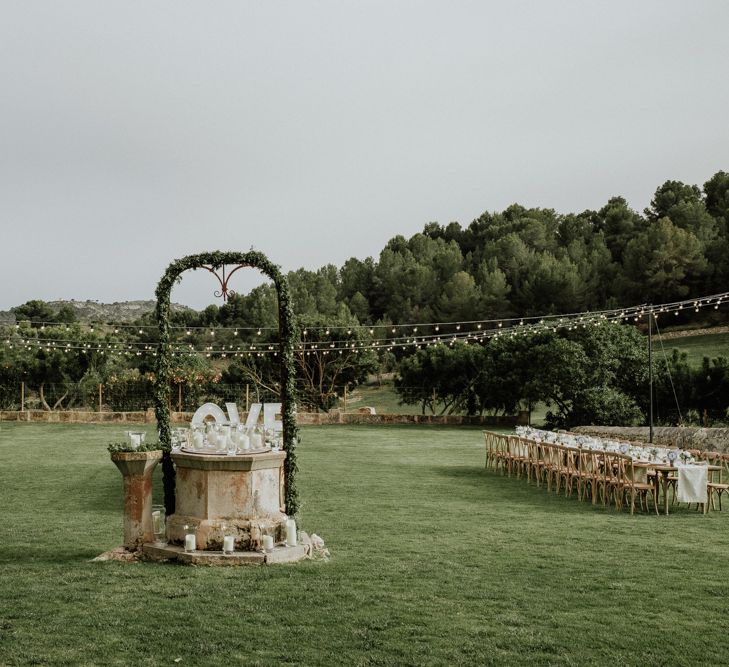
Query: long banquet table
[656, 463]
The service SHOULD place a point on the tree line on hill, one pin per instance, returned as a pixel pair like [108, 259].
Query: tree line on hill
[516, 263]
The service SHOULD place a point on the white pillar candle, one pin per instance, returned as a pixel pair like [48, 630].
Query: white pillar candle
[267, 542]
[197, 440]
[156, 522]
[290, 533]
[190, 544]
[245, 442]
[229, 543]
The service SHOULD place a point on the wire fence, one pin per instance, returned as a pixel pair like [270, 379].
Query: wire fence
[137, 394]
[128, 396]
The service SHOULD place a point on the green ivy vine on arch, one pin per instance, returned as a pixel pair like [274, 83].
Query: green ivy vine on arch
[287, 338]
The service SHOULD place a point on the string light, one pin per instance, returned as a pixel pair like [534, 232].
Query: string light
[533, 325]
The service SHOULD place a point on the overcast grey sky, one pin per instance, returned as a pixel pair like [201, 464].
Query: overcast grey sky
[132, 133]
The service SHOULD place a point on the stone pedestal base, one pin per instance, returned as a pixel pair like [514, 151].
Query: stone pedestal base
[136, 468]
[279, 554]
[239, 495]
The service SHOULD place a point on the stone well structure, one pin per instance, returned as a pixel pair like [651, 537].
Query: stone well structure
[219, 494]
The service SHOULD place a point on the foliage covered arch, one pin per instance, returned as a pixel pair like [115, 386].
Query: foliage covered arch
[287, 337]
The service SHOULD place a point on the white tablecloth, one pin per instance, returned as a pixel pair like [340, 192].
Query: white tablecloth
[692, 481]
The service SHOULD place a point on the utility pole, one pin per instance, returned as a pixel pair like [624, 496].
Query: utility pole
[650, 373]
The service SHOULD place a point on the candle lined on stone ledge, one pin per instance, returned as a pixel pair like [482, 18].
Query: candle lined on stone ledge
[290, 533]
[190, 541]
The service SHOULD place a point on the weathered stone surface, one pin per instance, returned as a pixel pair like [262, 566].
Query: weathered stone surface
[216, 494]
[136, 469]
[119, 554]
[160, 553]
[173, 552]
[284, 554]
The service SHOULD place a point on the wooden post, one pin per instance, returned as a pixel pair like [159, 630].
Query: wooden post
[248, 396]
[99, 396]
[22, 396]
[345, 398]
[179, 397]
[650, 375]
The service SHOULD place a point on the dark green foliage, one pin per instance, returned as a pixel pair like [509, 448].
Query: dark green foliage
[37, 312]
[702, 390]
[63, 378]
[441, 378]
[129, 390]
[589, 376]
[324, 373]
[123, 446]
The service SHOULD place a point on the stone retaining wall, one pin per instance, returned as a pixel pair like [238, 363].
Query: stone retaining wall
[77, 416]
[686, 437]
[303, 418]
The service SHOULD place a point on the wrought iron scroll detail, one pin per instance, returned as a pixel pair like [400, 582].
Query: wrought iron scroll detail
[224, 290]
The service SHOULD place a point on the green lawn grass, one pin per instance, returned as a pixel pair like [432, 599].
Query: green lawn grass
[382, 397]
[435, 561]
[697, 347]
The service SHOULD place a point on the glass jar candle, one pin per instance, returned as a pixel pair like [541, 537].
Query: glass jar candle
[190, 540]
[159, 524]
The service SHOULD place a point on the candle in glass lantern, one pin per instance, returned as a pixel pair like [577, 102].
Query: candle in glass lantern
[190, 543]
[228, 544]
[290, 533]
[267, 543]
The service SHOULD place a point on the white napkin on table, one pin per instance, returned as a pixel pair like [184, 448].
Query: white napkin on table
[692, 481]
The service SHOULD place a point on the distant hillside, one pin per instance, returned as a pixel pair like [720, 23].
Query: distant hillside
[94, 311]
